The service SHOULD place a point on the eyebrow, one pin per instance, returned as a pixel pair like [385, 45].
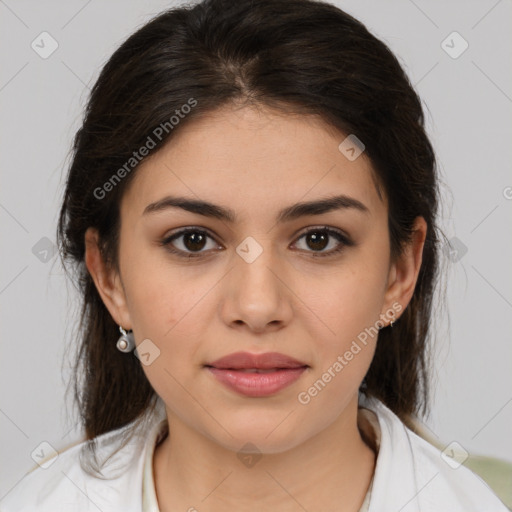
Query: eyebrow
[318, 207]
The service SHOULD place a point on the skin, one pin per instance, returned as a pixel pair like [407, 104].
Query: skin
[256, 161]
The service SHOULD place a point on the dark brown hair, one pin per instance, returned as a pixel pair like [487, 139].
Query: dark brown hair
[300, 57]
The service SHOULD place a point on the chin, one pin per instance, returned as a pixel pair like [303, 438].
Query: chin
[258, 437]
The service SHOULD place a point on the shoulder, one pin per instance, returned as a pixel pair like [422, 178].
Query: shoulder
[62, 484]
[448, 484]
[412, 475]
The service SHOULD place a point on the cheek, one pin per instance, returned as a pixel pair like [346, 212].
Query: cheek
[345, 336]
[170, 308]
[346, 301]
[161, 295]
[347, 304]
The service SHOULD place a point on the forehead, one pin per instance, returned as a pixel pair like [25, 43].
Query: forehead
[251, 158]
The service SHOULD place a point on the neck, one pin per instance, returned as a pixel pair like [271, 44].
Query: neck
[331, 470]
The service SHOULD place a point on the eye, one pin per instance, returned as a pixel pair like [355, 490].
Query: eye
[320, 238]
[190, 239]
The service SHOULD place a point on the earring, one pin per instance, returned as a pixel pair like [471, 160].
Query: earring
[392, 322]
[126, 342]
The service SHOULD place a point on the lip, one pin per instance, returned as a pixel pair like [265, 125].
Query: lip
[279, 372]
[265, 361]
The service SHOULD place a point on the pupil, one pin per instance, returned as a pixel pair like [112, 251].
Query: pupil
[194, 241]
[318, 240]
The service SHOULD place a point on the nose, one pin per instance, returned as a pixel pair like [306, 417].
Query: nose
[257, 296]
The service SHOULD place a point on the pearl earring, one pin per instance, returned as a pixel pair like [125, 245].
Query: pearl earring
[126, 342]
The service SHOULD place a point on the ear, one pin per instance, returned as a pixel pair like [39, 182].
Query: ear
[107, 280]
[403, 273]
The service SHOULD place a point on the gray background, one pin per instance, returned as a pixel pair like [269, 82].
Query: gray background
[468, 107]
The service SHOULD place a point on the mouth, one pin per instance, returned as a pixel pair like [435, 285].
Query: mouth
[254, 382]
[256, 363]
[256, 375]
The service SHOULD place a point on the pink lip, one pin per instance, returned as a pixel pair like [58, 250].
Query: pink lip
[257, 384]
[228, 370]
[265, 361]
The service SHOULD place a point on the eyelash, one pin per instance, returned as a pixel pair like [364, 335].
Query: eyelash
[341, 237]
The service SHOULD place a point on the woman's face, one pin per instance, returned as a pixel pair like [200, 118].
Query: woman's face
[257, 282]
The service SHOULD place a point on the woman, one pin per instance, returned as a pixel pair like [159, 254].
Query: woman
[251, 210]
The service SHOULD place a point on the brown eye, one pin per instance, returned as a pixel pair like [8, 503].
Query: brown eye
[194, 241]
[318, 239]
[187, 242]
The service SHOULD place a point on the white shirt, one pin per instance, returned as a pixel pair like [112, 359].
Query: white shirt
[149, 499]
[410, 475]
